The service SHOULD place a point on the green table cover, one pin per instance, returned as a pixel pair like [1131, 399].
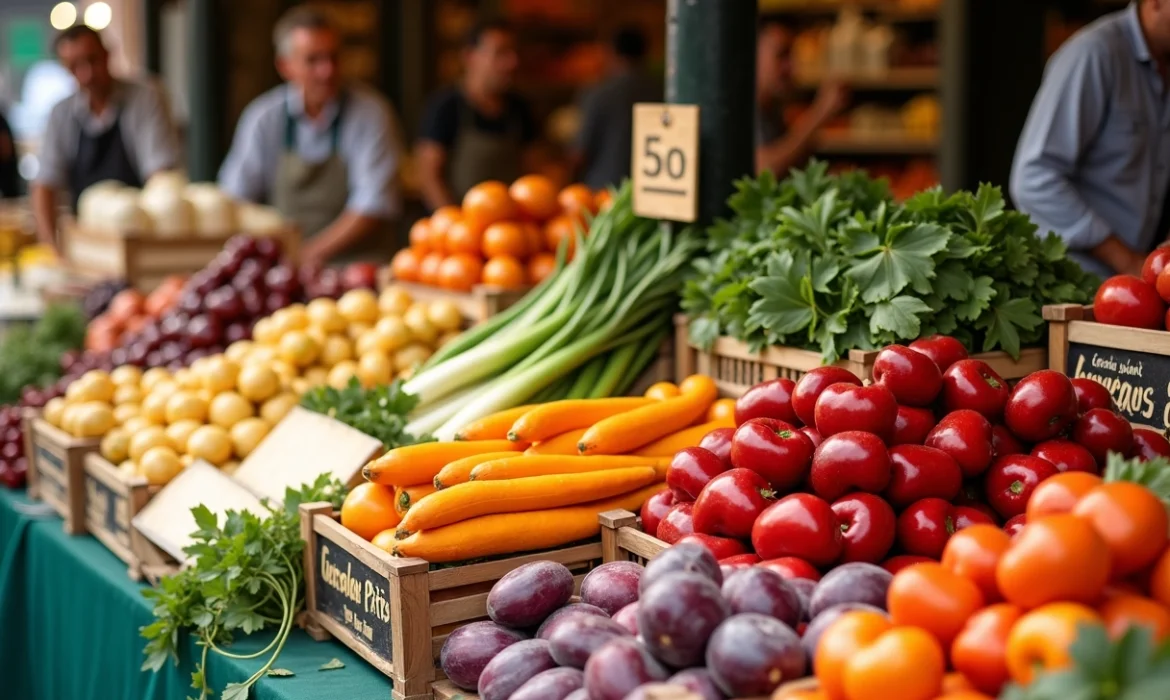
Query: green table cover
[69, 619]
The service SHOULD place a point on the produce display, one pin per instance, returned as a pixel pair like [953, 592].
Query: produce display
[831, 263]
[1137, 302]
[156, 422]
[588, 330]
[529, 478]
[503, 236]
[128, 312]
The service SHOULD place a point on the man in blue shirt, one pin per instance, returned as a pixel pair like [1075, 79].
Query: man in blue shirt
[1093, 161]
[326, 155]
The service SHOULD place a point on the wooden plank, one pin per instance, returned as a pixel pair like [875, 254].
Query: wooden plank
[455, 576]
[411, 623]
[307, 512]
[446, 690]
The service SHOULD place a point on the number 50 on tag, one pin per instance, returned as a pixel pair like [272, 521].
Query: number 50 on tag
[665, 161]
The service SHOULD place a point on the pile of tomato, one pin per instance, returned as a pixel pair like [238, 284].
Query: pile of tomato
[1137, 302]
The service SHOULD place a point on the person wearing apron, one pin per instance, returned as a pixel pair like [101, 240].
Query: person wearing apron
[323, 154]
[110, 129]
[477, 131]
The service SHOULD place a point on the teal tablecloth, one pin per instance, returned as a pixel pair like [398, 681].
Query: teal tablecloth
[69, 619]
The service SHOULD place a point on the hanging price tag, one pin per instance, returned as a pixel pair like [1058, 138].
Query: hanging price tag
[665, 161]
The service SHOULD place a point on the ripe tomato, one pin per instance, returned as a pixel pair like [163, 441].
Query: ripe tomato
[460, 272]
[602, 200]
[576, 199]
[420, 237]
[1101, 431]
[905, 663]
[1125, 300]
[562, 228]
[974, 553]
[405, 265]
[1040, 639]
[487, 203]
[1132, 521]
[1148, 444]
[980, 650]
[964, 695]
[441, 222]
[1059, 557]
[428, 268]
[535, 196]
[840, 642]
[1162, 284]
[1124, 611]
[504, 271]
[504, 238]
[533, 238]
[933, 598]
[660, 391]
[955, 682]
[1155, 263]
[540, 266]
[464, 237]
[1058, 494]
[369, 509]
[1160, 579]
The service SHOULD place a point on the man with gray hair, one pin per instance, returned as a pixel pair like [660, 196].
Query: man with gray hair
[326, 155]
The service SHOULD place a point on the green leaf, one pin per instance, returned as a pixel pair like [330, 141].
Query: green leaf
[204, 518]
[781, 308]
[978, 299]
[824, 272]
[906, 258]
[1005, 321]
[331, 665]
[899, 316]
[989, 204]
[703, 331]
[280, 673]
[236, 691]
[953, 281]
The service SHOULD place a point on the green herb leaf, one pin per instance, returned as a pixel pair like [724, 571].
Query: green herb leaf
[236, 691]
[280, 673]
[899, 315]
[904, 259]
[331, 665]
[1006, 321]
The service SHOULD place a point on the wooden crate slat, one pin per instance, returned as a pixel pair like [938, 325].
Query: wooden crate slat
[456, 576]
[58, 459]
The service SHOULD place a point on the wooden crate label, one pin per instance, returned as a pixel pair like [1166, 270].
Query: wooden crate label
[1138, 381]
[51, 470]
[353, 595]
[107, 510]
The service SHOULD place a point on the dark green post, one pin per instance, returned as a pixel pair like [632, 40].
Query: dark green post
[711, 62]
[205, 82]
[152, 35]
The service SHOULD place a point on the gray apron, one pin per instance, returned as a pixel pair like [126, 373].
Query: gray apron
[315, 194]
[478, 156]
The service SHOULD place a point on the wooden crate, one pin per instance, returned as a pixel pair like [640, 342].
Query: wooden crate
[1132, 363]
[112, 501]
[622, 538]
[446, 690]
[56, 470]
[143, 260]
[736, 369]
[480, 304]
[396, 612]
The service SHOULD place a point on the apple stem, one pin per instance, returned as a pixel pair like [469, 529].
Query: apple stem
[1016, 488]
[950, 524]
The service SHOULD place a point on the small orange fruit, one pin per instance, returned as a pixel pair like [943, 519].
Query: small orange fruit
[405, 265]
[369, 510]
[504, 271]
[540, 266]
[505, 238]
[487, 203]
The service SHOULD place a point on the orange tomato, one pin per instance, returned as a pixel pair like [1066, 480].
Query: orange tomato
[1124, 611]
[980, 650]
[540, 266]
[406, 264]
[533, 238]
[464, 237]
[955, 682]
[385, 540]
[504, 238]
[125, 305]
[905, 663]
[561, 228]
[504, 271]
[723, 409]
[420, 237]
[487, 203]
[428, 268]
[1059, 493]
[1059, 557]
[602, 200]
[840, 642]
[933, 598]
[973, 553]
[535, 196]
[661, 391]
[576, 199]
[1160, 579]
[369, 510]
[1040, 639]
[440, 223]
[1131, 519]
[964, 695]
[460, 272]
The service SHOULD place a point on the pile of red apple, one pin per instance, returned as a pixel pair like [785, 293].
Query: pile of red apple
[1137, 302]
[826, 471]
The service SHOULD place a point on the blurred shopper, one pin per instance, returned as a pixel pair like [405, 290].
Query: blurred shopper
[1093, 161]
[110, 129]
[479, 129]
[9, 172]
[778, 147]
[601, 156]
[326, 155]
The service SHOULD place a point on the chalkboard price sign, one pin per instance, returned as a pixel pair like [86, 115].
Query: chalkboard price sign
[1138, 381]
[353, 595]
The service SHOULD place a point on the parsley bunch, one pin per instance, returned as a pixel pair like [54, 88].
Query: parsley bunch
[379, 412]
[247, 575]
[832, 263]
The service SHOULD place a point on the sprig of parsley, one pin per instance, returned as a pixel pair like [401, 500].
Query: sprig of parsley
[247, 575]
[379, 412]
[832, 263]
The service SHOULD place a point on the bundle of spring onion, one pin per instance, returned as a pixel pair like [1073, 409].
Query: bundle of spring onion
[587, 331]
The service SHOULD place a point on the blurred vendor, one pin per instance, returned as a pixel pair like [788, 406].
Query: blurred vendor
[478, 130]
[326, 155]
[1093, 161]
[110, 129]
[601, 155]
[9, 170]
[778, 147]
